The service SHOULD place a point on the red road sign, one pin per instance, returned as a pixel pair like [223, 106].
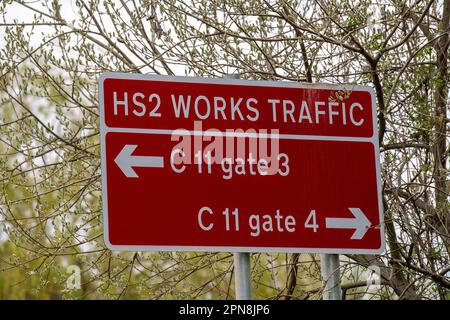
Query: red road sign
[197, 164]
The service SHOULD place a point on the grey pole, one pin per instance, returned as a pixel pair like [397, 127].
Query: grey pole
[242, 274]
[329, 264]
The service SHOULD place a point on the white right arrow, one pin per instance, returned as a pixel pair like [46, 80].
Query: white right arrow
[360, 223]
[125, 161]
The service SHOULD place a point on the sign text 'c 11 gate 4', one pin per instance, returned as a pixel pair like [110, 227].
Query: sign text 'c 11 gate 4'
[198, 164]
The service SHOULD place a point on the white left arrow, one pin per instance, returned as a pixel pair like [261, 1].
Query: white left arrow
[125, 161]
[360, 223]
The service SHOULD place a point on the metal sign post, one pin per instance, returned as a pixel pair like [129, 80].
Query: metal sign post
[242, 274]
[243, 277]
[329, 265]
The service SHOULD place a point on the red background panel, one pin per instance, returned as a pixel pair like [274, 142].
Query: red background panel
[160, 207]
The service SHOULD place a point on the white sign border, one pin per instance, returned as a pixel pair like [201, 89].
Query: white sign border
[104, 129]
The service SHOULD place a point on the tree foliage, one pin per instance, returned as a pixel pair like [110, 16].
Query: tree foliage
[50, 199]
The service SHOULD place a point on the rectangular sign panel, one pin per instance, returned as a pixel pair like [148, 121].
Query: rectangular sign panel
[204, 164]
